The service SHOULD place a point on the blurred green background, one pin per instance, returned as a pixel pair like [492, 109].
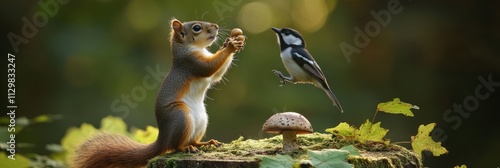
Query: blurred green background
[90, 54]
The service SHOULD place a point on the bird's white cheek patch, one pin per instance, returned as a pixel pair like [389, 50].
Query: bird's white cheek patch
[290, 39]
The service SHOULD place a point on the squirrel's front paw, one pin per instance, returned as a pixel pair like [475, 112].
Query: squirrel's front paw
[235, 44]
[238, 42]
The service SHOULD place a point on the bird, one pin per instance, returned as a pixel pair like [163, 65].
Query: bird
[300, 64]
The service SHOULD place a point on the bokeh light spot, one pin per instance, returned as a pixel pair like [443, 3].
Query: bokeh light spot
[255, 17]
[309, 15]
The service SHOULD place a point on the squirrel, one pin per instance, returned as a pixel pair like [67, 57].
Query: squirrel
[180, 110]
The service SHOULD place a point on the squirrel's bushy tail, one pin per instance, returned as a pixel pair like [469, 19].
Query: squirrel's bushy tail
[111, 150]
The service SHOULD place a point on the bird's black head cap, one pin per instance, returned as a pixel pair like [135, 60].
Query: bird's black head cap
[289, 37]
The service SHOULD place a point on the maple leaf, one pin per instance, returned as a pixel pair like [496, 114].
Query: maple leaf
[422, 141]
[371, 132]
[278, 161]
[76, 135]
[352, 150]
[114, 125]
[146, 136]
[396, 106]
[343, 129]
[329, 158]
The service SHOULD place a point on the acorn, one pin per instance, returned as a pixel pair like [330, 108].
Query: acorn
[236, 32]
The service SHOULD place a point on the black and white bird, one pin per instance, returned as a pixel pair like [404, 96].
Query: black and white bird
[299, 63]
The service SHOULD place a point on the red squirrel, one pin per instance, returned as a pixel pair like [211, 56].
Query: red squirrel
[180, 109]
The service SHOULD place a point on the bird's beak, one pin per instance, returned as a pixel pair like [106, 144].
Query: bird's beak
[276, 29]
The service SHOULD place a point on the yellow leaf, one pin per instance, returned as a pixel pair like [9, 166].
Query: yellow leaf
[371, 132]
[113, 125]
[42, 118]
[343, 129]
[20, 162]
[74, 137]
[45, 118]
[146, 136]
[397, 107]
[423, 141]
[461, 166]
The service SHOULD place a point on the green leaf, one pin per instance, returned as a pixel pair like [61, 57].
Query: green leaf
[55, 148]
[22, 121]
[5, 120]
[351, 149]
[397, 107]
[425, 142]
[45, 118]
[42, 118]
[461, 166]
[278, 161]
[329, 158]
[114, 125]
[4, 133]
[146, 136]
[20, 162]
[343, 129]
[45, 161]
[371, 132]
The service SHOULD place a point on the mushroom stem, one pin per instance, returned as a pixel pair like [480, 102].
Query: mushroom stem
[290, 141]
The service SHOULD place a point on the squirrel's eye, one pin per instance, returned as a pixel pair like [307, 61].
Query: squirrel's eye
[197, 28]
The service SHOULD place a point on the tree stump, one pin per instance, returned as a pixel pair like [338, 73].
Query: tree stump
[247, 153]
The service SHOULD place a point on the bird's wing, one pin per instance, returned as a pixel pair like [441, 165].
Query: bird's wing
[305, 60]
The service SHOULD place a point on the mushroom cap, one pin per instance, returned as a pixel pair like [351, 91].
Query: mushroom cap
[287, 121]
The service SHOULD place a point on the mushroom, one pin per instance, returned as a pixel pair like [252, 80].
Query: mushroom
[289, 124]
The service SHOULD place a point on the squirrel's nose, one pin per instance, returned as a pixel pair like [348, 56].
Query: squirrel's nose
[216, 26]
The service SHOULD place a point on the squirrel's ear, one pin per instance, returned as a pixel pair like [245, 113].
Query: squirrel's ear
[176, 25]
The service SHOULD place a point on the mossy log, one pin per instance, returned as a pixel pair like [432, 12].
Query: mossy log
[246, 153]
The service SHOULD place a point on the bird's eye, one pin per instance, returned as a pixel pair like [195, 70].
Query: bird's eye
[197, 28]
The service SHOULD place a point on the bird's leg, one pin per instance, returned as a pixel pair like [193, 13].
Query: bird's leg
[283, 78]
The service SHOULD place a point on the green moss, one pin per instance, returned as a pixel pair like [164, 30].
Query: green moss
[170, 161]
[246, 151]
